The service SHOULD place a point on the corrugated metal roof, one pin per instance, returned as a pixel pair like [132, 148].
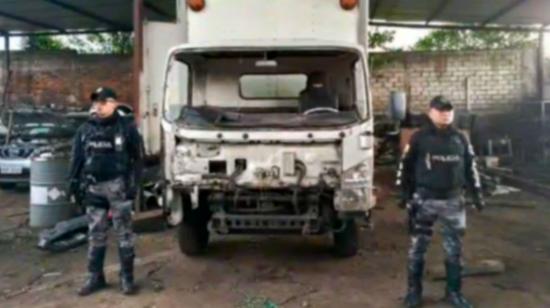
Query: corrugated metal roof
[26, 16]
[478, 12]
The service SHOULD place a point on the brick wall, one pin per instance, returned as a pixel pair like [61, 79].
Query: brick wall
[486, 80]
[66, 78]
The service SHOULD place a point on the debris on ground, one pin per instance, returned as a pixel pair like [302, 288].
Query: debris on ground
[7, 294]
[65, 235]
[158, 285]
[480, 268]
[257, 302]
[512, 203]
[504, 190]
[300, 295]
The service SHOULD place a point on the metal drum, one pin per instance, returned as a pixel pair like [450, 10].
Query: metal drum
[50, 200]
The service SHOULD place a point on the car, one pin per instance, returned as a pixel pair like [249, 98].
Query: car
[30, 132]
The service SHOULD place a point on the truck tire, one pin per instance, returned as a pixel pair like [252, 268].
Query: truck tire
[193, 238]
[346, 239]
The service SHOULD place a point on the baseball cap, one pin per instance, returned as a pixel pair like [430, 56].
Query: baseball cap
[441, 103]
[102, 94]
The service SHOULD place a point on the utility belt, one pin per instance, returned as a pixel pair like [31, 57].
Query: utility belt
[425, 193]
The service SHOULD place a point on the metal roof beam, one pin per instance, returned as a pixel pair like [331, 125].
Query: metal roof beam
[438, 10]
[83, 12]
[156, 9]
[455, 27]
[503, 11]
[30, 21]
[75, 32]
[375, 6]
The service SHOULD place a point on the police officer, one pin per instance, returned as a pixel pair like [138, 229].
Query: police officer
[106, 165]
[437, 166]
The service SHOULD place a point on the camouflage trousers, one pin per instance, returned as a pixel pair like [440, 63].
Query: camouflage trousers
[112, 192]
[452, 216]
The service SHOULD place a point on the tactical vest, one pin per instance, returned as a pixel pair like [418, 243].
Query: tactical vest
[440, 165]
[106, 153]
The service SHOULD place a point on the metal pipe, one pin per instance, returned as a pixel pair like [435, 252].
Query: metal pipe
[545, 69]
[540, 66]
[456, 27]
[138, 57]
[49, 33]
[7, 66]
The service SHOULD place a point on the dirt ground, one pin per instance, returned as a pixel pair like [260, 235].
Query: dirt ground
[268, 272]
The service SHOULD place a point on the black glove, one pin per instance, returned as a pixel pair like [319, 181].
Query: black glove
[479, 203]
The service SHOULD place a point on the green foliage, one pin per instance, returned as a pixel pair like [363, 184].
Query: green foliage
[107, 43]
[380, 39]
[44, 43]
[120, 43]
[379, 60]
[473, 40]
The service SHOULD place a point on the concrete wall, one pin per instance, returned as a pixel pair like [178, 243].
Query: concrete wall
[65, 78]
[484, 80]
[488, 80]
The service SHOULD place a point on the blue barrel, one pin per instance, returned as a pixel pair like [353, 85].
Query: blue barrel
[50, 200]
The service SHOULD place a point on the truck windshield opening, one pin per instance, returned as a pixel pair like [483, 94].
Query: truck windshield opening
[266, 89]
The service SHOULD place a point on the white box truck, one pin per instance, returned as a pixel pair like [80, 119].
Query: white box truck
[262, 114]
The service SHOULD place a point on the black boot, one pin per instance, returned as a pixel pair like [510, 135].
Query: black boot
[126, 255]
[454, 284]
[96, 278]
[414, 280]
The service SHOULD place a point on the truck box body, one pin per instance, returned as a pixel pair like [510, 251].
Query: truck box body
[247, 21]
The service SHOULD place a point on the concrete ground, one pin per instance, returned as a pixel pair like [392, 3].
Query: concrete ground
[283, 271]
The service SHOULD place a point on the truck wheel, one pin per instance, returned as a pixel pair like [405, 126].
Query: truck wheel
[346, 239]
[193, 238]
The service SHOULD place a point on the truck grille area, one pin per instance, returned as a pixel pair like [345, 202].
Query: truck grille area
[297, 211]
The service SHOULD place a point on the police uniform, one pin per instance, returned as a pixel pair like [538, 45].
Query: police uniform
[107, 155]
[437, 166]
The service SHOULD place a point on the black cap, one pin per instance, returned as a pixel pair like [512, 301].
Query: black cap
[102, 94]
[441, 103]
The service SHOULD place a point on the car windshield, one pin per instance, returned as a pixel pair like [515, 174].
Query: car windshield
[284, 88]
[38, 125]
